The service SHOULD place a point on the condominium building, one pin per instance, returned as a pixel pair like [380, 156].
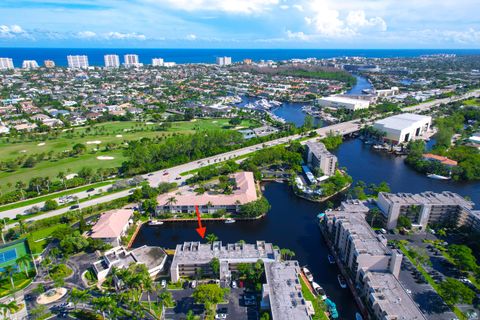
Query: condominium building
[6, 63]
[282, 294]
[77, 62]
[29, 64]
[131, 60]
[224, 61]
[186, 199]
[157, 62]
[357, 245]
[403, 127]
[427, 208]
[152, 257]
[193, 258]
[49, 64]
[385, 297]
[317, 156]
[111, 61]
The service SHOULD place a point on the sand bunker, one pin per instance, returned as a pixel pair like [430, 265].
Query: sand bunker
[23, 151]
[71, 176]
[94, 142]
[105, 158]
[41, 144]
[214, 121]
[118, 136]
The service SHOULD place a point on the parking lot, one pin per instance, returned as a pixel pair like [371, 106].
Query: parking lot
[235, 308]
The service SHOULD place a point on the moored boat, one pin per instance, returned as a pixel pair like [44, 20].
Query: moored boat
[437, 177]
[308, 274]
[319, 290]
[331, 259]
[332, 308]
[358, 316]
[155, 223]
[230, 220]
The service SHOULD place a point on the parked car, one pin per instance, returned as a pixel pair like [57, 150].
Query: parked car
[234, 284]
[91, 189]
[164, 284]
[75, 206]
[193, 284]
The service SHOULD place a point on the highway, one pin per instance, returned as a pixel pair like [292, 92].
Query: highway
[173, 174]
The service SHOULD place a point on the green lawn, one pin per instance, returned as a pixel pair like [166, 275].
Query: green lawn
[38, 240]
[52, 196]
[104, 132]
[471, 102]
[317, 304]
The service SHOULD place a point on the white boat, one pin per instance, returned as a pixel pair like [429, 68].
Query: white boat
[308, 274]
[155, 223]
[437, 177]
[358, 316]
[230, 220]
[341, 281]
[319, 290]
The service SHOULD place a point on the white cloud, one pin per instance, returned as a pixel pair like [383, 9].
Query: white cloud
[124, 36]
[299, 7]
[229, 6]
[328, 22]
[297, 35]
[11, 31]
[357, 20]
[191, 37]
[284, 7]
[468, 36]
[86, 34]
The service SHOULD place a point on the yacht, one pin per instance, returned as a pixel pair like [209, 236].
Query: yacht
[341, 281]
[319, 290]
[308, 274]
[437, 177]
[332, 308]
[230, 220]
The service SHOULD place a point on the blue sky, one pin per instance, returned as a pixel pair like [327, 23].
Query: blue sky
[240, 23]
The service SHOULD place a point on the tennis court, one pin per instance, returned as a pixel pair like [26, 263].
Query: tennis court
[10, 252]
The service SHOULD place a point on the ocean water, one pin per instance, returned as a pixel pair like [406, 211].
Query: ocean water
[59, 55]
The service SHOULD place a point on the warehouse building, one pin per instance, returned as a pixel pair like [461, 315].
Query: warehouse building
[404, 127]
[340, 102]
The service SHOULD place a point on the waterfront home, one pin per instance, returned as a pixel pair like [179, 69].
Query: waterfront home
[152, 257]
[443, 160]
[111, 226]
[184, 200]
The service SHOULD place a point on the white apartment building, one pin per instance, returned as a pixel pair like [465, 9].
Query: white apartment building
[157, 62]
[403, 127]
[111, 61]
[6, 63]
[29, 64]
[77, 62]
[427, 208]
[224, 61]
[131, 60]
[317, 156]
[357, 245]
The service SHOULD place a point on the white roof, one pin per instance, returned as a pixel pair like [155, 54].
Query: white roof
[344, 100]
[402, 121]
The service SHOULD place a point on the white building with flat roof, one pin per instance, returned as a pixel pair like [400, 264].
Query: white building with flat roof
[224, 61]
[157, 62]
[6, 63]
[131, 60]
[403, 127]
[111, 61]
[29, 64]
[340, 102]
[77, 62]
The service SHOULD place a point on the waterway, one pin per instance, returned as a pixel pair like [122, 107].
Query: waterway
[292, 111]
[291, 223]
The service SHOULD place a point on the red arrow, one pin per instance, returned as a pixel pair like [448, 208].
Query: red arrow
[201, 230]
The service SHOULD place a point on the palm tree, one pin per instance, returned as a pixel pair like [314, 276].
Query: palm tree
[237, 205]
[78, 296]
[19, 186]
[171, 201]
[9, 271]
[149, 288]
[103, 304]
[11, 307]
[211, 238]
[373, 215]
[24, 262]
[61, 176]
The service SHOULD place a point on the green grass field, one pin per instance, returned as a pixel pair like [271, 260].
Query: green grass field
[104, 132]
[471, 102]
[37, 240]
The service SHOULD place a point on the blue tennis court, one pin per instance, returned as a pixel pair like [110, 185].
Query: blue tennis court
[9, 255]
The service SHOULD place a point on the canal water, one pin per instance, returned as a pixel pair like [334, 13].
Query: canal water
[292, 111]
